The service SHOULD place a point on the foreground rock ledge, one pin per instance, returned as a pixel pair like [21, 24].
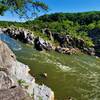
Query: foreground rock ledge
[15, 81]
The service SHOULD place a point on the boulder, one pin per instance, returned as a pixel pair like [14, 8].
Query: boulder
[41, 45]
[20, 34]
[48, 33]
[16, 82]
[66, 41]
[90, 51]
[44, 75]
[63, 50]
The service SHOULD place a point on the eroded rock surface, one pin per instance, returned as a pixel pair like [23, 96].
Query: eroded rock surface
[16, 93]
[64, 41]
[9, 89]
[16, 82]
[40, 44]
[20, 34]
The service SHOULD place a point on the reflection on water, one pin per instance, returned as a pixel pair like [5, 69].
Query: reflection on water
[11, 42]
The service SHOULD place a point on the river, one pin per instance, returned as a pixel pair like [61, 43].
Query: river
[76, 76]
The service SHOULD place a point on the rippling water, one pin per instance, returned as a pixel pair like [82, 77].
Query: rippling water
[77, 76]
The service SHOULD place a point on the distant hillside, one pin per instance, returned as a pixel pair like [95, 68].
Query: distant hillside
[81, 18]
[9, 23]
[85, 25]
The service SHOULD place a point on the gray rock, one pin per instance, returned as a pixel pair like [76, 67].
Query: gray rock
[14, 74]
[16, 93]
[48, 33]
[6, 81]
[40, 44]
[20, 34]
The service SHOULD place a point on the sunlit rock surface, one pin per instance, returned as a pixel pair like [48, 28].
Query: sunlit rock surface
[16, 82]
[16, 93]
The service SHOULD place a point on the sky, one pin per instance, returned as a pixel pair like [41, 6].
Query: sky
[61, 6]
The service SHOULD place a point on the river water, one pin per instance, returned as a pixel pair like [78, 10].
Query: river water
[76, 76]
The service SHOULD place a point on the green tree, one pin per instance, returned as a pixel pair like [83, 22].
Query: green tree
[24, 8]
[91, 26]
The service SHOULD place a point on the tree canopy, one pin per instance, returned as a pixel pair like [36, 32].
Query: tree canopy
[79, 25]
[24, 8]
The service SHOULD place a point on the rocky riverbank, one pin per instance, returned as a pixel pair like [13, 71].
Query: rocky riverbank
[15, 81]
[66, 43]
[23, 35]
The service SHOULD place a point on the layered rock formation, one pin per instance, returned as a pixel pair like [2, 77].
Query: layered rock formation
[65, 41]
[15, 81]
[20, 34]
[68, 42]
[40, 44]
[26, 36]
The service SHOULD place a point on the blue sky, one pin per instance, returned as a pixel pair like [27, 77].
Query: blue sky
[62, 6]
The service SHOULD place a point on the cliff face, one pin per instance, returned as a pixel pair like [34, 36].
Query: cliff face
[15, 81]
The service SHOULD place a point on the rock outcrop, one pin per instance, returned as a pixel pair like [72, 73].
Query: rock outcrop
[16, 82]
[65, 41]
[67, 51]
[20, 34]
[40, 44]
[69, 44]
[48, 33]
[95, 36]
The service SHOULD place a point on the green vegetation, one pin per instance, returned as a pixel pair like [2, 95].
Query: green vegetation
[22, 83]
[6, 24]
[78, 25]
[23, 8]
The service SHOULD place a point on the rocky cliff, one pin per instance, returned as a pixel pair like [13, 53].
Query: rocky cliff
[15, 81]
[66, 43]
